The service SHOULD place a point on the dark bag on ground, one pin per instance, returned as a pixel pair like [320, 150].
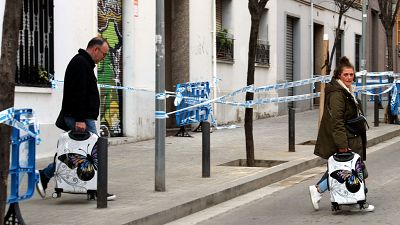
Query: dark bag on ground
[60, 122]
[357, 125]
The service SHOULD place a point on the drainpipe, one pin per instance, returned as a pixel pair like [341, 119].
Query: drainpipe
[214, 60]
[363, 56]
[312, 50]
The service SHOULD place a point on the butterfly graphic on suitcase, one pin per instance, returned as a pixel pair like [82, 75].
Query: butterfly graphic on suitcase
[86, 165]
[353, 178]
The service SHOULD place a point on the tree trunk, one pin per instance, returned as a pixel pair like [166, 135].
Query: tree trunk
[337, 33]
[256, 9]
[248, 118]
[11, 21]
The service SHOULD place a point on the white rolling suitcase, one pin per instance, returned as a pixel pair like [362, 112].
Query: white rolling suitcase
[346, 180]
[76, 164]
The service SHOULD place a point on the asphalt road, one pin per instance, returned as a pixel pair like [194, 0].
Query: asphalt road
[288, 202]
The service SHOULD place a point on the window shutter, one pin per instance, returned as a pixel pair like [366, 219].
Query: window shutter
[218, 4]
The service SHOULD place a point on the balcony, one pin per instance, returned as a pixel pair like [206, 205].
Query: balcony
[262, 53]
[225, 46]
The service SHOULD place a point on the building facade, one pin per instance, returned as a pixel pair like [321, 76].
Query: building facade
[204, 41]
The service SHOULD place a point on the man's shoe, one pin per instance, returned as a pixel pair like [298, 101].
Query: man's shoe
[41, 185]
[366, 208]
[315, 196]
[111, 197]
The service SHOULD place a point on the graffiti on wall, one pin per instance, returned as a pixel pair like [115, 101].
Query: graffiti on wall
[110, 69]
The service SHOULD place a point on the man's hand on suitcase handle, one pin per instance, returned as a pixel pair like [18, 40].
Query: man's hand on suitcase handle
[344, 150]
[80, 126]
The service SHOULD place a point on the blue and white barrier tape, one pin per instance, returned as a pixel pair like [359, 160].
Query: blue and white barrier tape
[364, 89]
[54, 84]
[298, 83]
[376, 74]
[7, 117]
[161, 115]
[252, 103]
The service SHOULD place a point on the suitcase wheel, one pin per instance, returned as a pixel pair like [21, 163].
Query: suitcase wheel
[91, 196]
[335, 207]
[56, 194]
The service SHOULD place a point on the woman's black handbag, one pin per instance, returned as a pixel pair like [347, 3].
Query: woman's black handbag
[357, 125]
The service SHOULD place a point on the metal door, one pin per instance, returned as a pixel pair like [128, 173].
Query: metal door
[289, 54]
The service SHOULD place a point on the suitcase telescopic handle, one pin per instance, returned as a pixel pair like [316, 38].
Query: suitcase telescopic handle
[79, 135]
[343, 156]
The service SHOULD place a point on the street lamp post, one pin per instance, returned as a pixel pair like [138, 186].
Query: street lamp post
[160, 102]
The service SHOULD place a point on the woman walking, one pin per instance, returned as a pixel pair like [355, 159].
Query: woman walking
[341, 105]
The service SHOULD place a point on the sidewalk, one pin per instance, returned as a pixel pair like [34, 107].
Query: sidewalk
[131, 174]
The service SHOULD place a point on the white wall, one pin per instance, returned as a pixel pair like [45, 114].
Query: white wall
[139, 69]
[75, 23]
[200, 49]
[2, 6]
[234, 75]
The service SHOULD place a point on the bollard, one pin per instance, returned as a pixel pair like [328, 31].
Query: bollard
[291, 130]
[102, 157]
[376, 111]
[205, 129]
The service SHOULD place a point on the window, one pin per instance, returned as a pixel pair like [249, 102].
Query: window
[262, 49]
[224, 39]
[225, 45]
[357, 52]
[35, 57]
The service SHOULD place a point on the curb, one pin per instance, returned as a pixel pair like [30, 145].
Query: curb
[382, 138]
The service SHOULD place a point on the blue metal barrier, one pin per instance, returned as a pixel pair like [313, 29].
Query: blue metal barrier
[193, 94]
[395, 101]
[22, 166]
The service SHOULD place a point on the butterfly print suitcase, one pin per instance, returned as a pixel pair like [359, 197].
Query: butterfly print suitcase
[76, 164]
[346, 180]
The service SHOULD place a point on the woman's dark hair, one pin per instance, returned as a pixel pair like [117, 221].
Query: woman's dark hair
[96, 41]
[344, 62]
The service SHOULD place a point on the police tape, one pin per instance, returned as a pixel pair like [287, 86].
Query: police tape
[291, 84]
[194, 102]
[54, 85]
[376, 74]
[7, 117]
[252, 103]
[364, 89]
[250, 88]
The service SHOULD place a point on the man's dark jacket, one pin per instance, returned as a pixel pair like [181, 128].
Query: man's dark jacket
[81, 97]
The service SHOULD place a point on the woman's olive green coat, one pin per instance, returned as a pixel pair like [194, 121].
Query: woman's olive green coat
[332, 135]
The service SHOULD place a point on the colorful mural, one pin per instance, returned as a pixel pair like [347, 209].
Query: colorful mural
[110, 69]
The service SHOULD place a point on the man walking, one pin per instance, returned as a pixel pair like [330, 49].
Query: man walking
[81, 101]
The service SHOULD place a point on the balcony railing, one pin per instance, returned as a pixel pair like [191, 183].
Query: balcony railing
[262, 53]
[225, 46]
